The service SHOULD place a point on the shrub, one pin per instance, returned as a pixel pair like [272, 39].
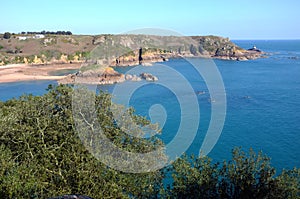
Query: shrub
[7, 35]
[41, 156]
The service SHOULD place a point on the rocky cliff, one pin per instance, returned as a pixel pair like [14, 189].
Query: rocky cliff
[138, 49]
[117, 50]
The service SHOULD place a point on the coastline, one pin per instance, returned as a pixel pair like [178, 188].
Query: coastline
[28, 72]
[67, 54]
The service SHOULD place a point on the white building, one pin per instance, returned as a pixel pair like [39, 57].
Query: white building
[39, 36]
[22, 38]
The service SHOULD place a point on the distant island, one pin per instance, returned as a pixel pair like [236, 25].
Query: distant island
[64, 50]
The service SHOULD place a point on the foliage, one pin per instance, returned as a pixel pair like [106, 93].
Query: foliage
[194, 177]
[69, 40]
[48, 32]
[129, 53]
[41, 156]
[245, 176]
[83, 54]
[7, 35]
[50, 54]
[70, 57]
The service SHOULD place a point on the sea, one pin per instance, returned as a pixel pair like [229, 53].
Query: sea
[262, 101]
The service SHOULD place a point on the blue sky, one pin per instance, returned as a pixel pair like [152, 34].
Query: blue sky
[236, 19]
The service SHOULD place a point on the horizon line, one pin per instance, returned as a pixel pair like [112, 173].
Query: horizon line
[190, 35]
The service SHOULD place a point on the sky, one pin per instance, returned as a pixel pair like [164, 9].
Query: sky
[236, 19]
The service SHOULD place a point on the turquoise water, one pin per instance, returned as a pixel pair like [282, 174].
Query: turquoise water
[270, 119]
[263, 102]
[16, 89]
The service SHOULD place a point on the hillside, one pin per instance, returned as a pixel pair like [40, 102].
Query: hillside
[120, 49]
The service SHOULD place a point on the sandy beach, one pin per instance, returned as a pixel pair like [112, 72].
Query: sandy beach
[23, 72]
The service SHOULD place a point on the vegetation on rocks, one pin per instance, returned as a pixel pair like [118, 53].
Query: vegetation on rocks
[120, 46]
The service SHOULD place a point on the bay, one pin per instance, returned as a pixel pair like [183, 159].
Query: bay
[263, 102]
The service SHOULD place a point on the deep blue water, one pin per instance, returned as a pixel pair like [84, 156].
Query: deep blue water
[263, 102]
[16, 89]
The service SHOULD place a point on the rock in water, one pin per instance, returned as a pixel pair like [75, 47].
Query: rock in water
[106, 75]
[128, 77]
[136, 78]
[148, 77]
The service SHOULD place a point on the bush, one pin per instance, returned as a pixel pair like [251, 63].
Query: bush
[41, 156]
[7, 35]
[49, 54]
[245, 176]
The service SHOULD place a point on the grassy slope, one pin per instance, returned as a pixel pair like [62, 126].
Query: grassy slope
[55, 45]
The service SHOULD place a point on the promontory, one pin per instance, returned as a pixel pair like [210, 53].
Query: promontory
[107, 50]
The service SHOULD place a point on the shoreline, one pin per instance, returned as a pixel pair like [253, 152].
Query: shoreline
[30, 72]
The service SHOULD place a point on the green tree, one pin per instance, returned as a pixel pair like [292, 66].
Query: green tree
[44, 157]
[245, 176]
[41, 156]
[7, 35]
[194, 178]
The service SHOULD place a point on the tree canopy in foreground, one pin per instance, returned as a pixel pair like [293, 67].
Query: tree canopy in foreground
[41, 156]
